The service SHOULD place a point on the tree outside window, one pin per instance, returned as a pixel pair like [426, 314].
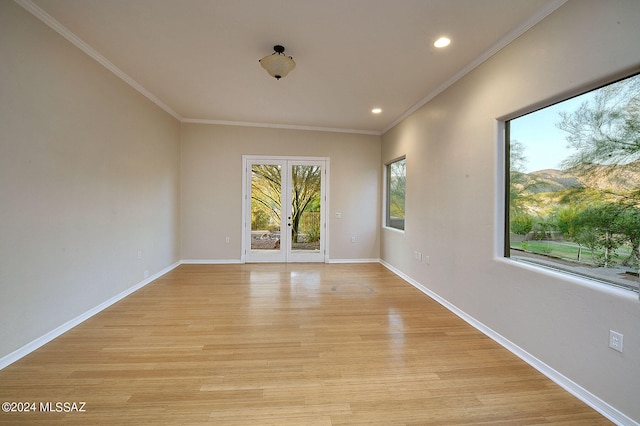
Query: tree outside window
[574, 185]
[396, 184]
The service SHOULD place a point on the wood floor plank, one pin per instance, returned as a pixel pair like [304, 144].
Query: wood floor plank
[267, 344]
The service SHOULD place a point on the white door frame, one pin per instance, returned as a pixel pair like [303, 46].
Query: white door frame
[284, 255]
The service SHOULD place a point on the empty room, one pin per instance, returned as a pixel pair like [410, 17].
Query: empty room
[313, 212]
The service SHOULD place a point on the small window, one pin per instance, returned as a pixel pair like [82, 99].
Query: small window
[396, 183]
[573, 185]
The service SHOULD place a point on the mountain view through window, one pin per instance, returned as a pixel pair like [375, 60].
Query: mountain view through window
[573, 190]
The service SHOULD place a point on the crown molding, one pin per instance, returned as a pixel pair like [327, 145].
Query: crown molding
[39, 13]
[80, 44]
[281, 126]
[75, 40]
[495, 48]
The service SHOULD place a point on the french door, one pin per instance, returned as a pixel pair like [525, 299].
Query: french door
[284, 209]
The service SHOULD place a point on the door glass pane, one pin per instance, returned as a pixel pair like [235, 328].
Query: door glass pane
[305, 207]
[266, 190]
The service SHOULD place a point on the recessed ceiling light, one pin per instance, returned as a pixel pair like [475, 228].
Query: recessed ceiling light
[376, 110]
[442, 42]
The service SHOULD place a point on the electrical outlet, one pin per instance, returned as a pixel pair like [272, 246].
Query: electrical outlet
[226, 240]
[615, 340]
[353, 239]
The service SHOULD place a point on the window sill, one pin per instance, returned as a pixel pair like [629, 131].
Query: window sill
[591, 283]
[400, 231]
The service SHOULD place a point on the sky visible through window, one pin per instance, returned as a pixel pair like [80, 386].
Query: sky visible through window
[584, 216]
[545, 144]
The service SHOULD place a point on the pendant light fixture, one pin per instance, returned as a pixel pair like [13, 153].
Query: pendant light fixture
[277, 64]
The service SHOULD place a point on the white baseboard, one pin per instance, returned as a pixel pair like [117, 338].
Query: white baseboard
[567, 384]
[353, 261]
[240, 261]
[570, 386]
[211, 261]
[42, 340]
[49, 336]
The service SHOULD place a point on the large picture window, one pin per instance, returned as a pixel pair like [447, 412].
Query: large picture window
[573, 185]
[396, 173]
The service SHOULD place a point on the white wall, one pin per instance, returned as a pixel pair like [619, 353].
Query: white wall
[453, 161]
[89, 175]
[212, 187]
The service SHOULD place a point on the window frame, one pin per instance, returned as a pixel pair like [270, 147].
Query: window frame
[387, 218]
[504, 130]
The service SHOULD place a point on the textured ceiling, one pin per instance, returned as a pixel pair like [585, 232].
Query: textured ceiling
[198, 59]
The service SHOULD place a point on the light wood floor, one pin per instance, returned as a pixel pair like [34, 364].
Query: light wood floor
[308, 344]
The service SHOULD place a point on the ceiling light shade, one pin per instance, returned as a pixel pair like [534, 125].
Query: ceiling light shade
[277, 64]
